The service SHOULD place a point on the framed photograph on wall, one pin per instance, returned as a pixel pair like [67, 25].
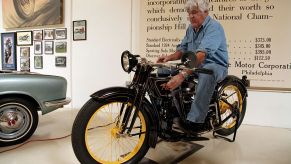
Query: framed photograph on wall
[61, 33]
[61, 47]
[49, 47]
[38, 62]
[24, 64]
[8, 51]
[24, 38]
[37, 35]
[80, 30]
[61, 61]
[24, 52]
[37, 47]
[48, 34]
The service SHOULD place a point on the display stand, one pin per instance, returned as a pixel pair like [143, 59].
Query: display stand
[170, 152]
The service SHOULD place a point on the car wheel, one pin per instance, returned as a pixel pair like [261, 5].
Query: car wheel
[18, 120]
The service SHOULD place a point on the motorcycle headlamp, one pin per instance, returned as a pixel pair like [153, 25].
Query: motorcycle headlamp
[128, 61]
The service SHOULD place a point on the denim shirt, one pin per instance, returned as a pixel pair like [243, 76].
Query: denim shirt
[210, 39]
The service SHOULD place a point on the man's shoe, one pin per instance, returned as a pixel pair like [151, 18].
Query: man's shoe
[196, 127]
[188, 127]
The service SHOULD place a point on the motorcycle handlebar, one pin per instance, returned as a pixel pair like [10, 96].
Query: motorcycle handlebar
[203, 70]
[181, 66]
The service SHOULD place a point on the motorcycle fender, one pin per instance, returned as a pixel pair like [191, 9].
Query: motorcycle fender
[152, 114]
[236, 79]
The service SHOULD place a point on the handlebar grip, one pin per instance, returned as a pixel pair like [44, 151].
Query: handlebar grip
[203, 70]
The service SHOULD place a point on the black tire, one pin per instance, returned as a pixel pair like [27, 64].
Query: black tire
[18, 121]
[81, 134]
[24, 10]
[234, 89]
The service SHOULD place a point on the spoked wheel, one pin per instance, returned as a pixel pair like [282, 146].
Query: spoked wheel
[101, 133]
[231, 95]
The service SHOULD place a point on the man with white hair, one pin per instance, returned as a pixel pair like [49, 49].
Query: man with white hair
[206, 38]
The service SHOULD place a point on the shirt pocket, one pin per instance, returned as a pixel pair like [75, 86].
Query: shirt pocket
[190, 45]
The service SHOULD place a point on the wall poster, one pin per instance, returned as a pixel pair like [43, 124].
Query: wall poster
[258, 36]
[30, 13]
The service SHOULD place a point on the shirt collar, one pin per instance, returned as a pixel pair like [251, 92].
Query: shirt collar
[207, 19]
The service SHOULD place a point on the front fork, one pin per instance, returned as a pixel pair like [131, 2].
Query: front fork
[127, 122]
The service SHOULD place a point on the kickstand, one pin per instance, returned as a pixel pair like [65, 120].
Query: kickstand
[235, 130]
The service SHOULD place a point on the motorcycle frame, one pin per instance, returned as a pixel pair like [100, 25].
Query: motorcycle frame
[137, 91]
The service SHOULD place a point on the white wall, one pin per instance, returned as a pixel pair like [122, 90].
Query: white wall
[95, 63]
[269, 109]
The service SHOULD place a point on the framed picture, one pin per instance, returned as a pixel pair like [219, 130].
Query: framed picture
[48, 34]
[79, 30]
[32, 13]
[37, 35]
[24, 38]
[61, 33]
[24, 64]
[61, 61]
[24, 52]
[37, 47]
[49, 47]
[38, 62]
[61, 47]
[8, 51]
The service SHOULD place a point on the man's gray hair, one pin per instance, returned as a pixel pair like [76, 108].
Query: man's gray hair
[202, 5]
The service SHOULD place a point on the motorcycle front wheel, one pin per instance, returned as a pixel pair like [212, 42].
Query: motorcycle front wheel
[97, 135]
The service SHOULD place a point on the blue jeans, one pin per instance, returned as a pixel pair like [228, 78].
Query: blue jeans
[205, 88]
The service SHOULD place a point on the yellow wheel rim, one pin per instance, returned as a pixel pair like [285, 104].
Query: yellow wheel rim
[103, 139]
[232, 95]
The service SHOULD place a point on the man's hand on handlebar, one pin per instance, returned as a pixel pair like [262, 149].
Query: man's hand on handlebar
[175, 82]
[163, 59]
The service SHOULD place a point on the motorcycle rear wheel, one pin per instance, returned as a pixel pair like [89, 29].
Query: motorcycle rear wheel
[96, 136]
[233, 93]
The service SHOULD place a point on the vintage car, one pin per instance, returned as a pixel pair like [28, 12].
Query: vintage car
[22, 95]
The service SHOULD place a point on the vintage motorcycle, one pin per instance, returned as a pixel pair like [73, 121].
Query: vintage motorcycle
[120, 124]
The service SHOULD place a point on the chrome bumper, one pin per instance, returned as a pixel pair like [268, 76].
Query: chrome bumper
[57, 103]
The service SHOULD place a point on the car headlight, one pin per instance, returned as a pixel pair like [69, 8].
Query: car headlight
[128, 61]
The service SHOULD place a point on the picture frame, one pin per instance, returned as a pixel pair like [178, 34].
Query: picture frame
[24, 52]
[25, 64]
[49, 47]
[61, 47]
[38, 62]
[8, 51]
[80, 30]
[38, 35]
[61, 33]
[61, 61]
[37, 47]
[49, 34]
[24, 38]
[32, 13]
